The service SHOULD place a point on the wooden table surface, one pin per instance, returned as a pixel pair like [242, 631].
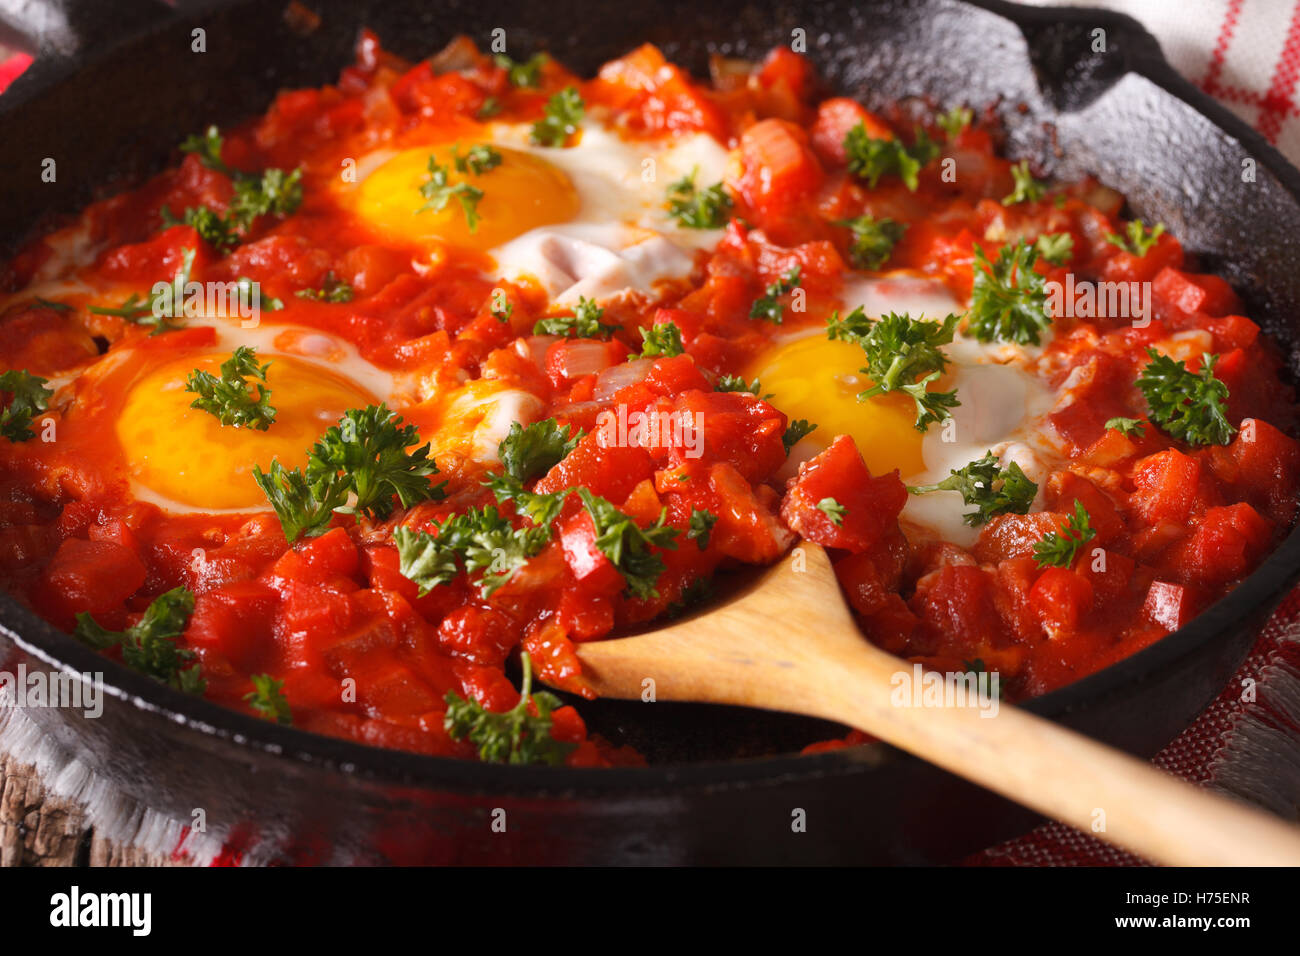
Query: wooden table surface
[41, 830]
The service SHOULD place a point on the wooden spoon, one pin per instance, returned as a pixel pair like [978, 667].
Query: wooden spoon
[788, 643]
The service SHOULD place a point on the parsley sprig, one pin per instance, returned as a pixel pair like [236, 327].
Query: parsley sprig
[1009, 299]
[1132, 427]
[583, 324]
[524, 75]
[514, 737]
[873, 240]
[661, 340]
[1058, 549]
[628, 545]
[149, 646]
[267, 699]
[564, 112]
[528, 452]
[333, 290]
[701, 525]
[904, 355]
[356, 467]
[992, 489]
[162, 306]
[870, 158]
[797, 431]
[1027, 188]
[1137, 239]
[833, 510]
[695, 208]
[769, 307]
[230, 398]
[30, 398]
[271, 192]
[1187, 405]
[438, 190]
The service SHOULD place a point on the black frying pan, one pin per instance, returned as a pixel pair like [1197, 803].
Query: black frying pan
[114, 89]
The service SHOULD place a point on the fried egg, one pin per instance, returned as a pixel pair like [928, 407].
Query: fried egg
[587, 219]
[812, 377]
[184, 460]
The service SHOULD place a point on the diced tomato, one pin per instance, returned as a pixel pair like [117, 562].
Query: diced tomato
[1177, 294]
[1062, 599]
[870, 505]
[777, 166]
[835, 117]
[1169, 486]
[610, 471]
[93, 576]
[1169, 605]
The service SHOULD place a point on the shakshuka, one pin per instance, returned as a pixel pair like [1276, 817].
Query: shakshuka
[366, 412]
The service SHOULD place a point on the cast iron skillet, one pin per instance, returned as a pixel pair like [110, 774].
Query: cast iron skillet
[114, 90]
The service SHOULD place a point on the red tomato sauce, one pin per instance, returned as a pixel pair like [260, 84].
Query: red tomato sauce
[1179, 525]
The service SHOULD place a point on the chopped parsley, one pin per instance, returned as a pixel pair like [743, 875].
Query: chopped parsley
[583, 324]
[870, 159]
[795, 432]
[904, 355]
[701, 526]
[1009, 299]
[1137, 239]
[564, 112]
[993, 490]
[230, 398]
[30, 398]
[833, 510]
[663, 340]
[694, 208]
[1058, 549]
[769, 307]
[873, 240]
[149, 646]
[531, 451]
[268, 700]
[1187, 405]
[1027, 188]
[1132, 427]
[514, 737]
[333, 289]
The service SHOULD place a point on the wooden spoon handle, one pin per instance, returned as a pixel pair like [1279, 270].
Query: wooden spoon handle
[1056, 771]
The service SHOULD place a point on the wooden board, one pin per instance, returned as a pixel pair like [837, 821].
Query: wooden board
[37, 829]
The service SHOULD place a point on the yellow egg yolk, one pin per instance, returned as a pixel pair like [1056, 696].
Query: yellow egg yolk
[185, 454]
[818, 379]
[519, 194]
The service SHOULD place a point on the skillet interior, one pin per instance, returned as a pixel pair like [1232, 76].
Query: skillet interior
[134, 100]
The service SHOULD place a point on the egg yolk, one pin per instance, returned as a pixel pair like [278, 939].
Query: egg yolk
[818, 379]
[187, 455]
[519, 194]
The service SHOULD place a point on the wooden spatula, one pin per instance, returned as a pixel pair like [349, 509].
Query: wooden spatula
[788, 643]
